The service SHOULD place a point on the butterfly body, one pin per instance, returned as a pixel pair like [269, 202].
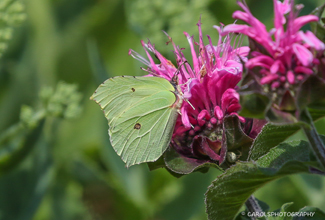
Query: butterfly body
[141, 114]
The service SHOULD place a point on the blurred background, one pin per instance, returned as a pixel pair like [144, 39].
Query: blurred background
[56, 161]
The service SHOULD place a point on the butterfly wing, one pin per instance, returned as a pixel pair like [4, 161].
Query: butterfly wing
[140, 115]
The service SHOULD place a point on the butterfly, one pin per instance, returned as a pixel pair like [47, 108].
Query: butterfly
[141, 114]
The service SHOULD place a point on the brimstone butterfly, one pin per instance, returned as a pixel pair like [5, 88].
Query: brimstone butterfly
[141, 114]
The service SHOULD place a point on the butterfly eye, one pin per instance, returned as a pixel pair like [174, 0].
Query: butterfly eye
[133, 90]
[137, 126]
[231, 157]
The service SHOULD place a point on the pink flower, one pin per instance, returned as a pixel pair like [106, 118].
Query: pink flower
[201, 127]
[209, 88]
[287, 55]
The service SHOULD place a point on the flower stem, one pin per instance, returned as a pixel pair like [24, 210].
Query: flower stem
[253, 207]
[315, 141]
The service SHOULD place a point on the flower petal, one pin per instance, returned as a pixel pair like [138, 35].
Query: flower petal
[291, 77]
[269, 78]
[185, 119]
[218, 112]
[312, 40]
[305, 70]
[227, 98]
[303, 54]
[262, 60]
[236, 28]
[302, 20]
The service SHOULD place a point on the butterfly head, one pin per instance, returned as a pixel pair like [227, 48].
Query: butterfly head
[174, 79]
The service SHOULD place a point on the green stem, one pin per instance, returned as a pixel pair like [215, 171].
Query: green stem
[315, 141]
[253, 207]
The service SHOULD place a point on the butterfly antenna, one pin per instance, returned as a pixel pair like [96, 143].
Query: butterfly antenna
[186, 100]
[175, 77]
[149, 71]
[202, 68]
[188, 81]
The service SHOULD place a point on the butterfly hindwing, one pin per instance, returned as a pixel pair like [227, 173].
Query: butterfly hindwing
[140, 116]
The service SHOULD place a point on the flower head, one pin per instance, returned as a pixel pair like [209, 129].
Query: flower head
[285, 55]
[209, 90]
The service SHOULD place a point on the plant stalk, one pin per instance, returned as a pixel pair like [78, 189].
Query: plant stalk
[253, 207]
[315, 141]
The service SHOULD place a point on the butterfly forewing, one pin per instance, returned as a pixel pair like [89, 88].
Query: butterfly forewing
[140, 116]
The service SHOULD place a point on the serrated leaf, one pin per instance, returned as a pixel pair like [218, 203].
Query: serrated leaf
[281, 212]
[283, 152]
[310, 213]
[285, 206]
[229, 191]
[271, 136]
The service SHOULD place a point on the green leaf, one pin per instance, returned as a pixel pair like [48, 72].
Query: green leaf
[271, 136]
[236, 138]
[317, 111]
[279, 117]
[253, 105]
[310, 213]
[282, 213]
[160, 163]
[287, 151]
[287, 102]
[185, 165]
[229, 191]
[311, 92]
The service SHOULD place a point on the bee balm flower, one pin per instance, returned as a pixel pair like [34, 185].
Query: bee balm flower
[209, 87]
[285, 55]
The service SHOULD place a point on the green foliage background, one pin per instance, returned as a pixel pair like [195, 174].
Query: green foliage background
[55, 157]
